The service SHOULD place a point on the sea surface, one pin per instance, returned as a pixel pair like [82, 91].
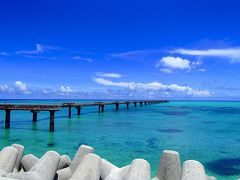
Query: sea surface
[206, 131]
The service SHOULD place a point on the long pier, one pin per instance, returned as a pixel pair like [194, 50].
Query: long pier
[35, 109]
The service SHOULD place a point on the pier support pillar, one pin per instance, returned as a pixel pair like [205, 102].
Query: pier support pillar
[69, 112]
[102, 108]
[34, 116]
[135, 104]
[127, 105]
[51, 127]
[140, 103]
[99, 108]
[7, 118]
[117, 106]
[78, 110]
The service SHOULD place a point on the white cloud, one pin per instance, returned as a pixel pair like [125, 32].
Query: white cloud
[39, 50]
[43, 52]
[130, 54]
[62, 90]
[41, 57]
[110, 83]
[164, 70]
[196, 63]
[66, 89]
[5, 89]
[156, 86]
[21, 87]
[174, 63]
[200, 93]
[202, 70]
[231, 53]
[171, 64]
[4, 54]
[111, 75]
[82, 59]
[137, 55]
[48, 91]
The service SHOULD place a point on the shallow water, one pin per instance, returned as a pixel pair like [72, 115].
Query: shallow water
[201, 130]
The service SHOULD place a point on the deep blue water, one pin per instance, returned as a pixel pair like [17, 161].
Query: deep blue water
[201, 130]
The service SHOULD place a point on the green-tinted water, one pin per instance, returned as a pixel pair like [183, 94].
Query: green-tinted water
[200, 130]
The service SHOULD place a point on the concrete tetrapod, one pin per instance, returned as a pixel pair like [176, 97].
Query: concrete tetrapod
[194, 170]
[29, 161]
[170, 166]
[88, 169]
[20, 150]
[88, 166]
[139, 169]
[65, 161]
[112, 172]
[44, 169]
[66, 173]
[8, 158]
[2, 173]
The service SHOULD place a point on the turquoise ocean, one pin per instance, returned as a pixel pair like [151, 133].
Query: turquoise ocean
[207, 131]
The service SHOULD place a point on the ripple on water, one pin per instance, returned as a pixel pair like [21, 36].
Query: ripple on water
[50, 144]
[170, 130]
[139, 151]
[174, 113]
[110, 144]
[236, 123]
[221, 110]
[225, 166]
[208, 122]
[151, 143]
[14, 140]
[123, 123]
[132, 143]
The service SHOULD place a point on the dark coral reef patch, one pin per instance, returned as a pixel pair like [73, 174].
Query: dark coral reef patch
[225, 166]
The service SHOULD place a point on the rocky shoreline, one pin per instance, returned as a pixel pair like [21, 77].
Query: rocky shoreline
[88, 166]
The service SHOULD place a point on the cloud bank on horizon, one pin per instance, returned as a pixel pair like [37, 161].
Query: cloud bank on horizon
[231, 53]
[166, 64]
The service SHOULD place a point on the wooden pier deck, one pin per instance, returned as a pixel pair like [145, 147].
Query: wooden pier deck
[35, 109]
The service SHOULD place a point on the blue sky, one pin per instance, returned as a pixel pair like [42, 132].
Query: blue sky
[120, 49]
